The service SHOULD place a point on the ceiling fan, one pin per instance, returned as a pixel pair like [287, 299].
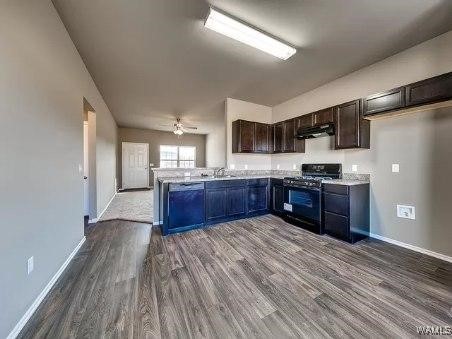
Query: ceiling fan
[180, 128]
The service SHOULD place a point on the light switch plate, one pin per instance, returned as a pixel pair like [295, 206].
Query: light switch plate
[231, 166]
[294, 166]
[395, 168]
[246, 167]
[406, 212]
[278, 166]
[354, 168]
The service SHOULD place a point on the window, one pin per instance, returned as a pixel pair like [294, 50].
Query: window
[177, 156]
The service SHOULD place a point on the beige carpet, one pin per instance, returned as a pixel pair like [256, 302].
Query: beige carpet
[132, 205]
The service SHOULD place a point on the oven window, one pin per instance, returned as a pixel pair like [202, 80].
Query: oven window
[300, 198]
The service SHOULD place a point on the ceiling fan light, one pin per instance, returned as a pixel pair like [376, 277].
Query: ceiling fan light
[178, 131]
[239, 31]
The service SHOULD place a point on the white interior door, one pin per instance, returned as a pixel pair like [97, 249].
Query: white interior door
[85, 169]
[135, 165]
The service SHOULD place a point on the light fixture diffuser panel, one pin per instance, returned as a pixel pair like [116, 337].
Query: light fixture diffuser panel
[237, 30]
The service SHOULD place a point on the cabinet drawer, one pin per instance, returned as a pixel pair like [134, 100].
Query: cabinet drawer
[336, 203]
[258, 182]
[337, 226]
[337, 189]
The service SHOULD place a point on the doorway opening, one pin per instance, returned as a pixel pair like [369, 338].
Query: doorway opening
[89, 163]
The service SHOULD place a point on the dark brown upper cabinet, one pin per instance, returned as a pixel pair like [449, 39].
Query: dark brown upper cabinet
[271, 139]
[384, 101]
[324, 116]
[261, 137]
[306, 120]
[278, 137]
[243, 136]
[290, 144]
[431, 90]
[289, 135]
[352, 131]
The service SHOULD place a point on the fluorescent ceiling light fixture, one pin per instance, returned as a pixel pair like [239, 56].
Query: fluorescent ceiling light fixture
[235, 29]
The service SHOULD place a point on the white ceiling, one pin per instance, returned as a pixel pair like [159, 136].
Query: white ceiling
[153, 60]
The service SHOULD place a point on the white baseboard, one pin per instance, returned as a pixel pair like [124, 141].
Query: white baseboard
[157, 223]
[100, 215]
[20, 325]
[412, 247]
[93, 221]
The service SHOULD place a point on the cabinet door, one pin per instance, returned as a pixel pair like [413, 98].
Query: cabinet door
[346, 119]
[384, 101]
[431, 90]
[236, 201]
[278, 137]
[278, 198]
[261, 137]
[304, 121]
[289, 136]
[325, 116]
[257, 198]
[247, 136]
[216, 204]
[337, 226]
[271, 139]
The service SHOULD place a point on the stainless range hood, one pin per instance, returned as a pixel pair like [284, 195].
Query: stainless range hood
[315, 131]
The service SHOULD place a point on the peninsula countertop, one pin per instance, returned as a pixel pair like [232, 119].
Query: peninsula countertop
[174, 180]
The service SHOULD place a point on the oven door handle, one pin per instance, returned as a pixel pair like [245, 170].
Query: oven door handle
[303, 188]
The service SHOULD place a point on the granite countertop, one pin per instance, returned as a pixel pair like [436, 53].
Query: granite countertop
[211, 178]
[346, 182]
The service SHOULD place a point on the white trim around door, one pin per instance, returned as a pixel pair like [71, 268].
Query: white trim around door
[135, 165]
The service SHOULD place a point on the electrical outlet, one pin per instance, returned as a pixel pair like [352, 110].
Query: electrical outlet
[246, 167]
[406, 212]
[354, 168]
[395, 168]
[30, 265]
[231, 166]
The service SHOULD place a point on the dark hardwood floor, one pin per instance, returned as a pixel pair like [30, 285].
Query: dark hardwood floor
[258, 277]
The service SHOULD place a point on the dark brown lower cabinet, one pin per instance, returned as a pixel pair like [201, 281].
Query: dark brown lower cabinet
[346, 213]
[352, 131]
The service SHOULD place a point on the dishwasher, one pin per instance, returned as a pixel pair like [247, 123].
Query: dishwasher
[185, 205]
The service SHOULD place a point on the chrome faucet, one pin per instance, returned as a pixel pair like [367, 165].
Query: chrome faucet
[216, 173]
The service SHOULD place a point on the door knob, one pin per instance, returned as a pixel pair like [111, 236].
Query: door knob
[85, 178]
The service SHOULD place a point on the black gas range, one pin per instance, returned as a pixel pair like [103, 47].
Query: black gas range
[303, 195]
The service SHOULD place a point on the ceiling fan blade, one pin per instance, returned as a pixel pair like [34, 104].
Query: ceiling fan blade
[190, 127]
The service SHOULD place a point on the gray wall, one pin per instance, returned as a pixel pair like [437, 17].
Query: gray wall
[420, 143]
[156, 138]
[42, 84]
